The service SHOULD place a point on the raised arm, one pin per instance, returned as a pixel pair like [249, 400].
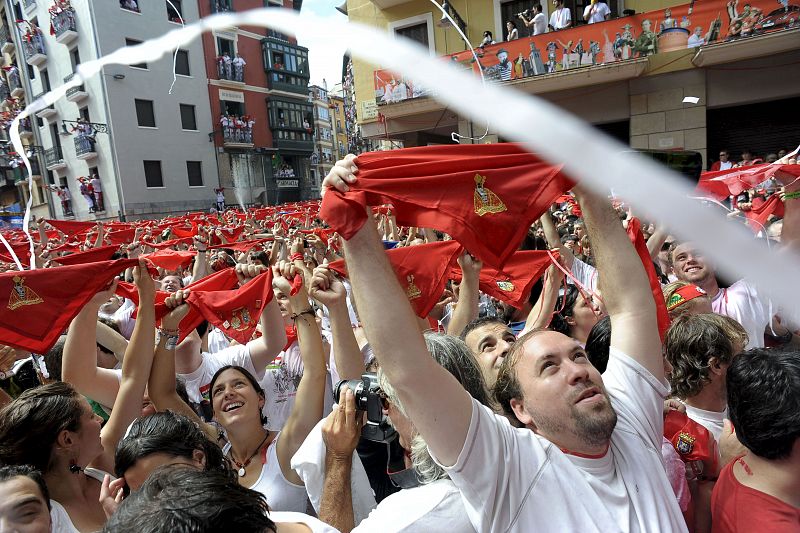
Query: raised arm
[554, 241]
[391, 326]
[200, 269]
[626, 289]
[328, 290]
[161, 385]
[79, 361]
[467, 306]
[310, 399]
[542, 311]
[135, 369]
[266, 348]
[656, 241]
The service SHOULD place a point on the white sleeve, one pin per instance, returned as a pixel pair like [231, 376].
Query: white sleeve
[587, 10]
[237, 355]
[637, 396]
[484, 480]
[568, 18]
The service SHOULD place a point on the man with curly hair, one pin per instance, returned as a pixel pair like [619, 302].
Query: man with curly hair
[700, 349]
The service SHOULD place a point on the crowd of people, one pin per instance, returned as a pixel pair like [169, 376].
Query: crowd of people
[526, 356]
[231, 68]
[238, 129]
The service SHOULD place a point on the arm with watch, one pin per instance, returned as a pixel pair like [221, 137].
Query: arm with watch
[200, 269]
[310, 398]
[161, 385]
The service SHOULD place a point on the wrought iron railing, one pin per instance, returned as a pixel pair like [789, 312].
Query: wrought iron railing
[64, 21]
[53, 156]
[84, 144]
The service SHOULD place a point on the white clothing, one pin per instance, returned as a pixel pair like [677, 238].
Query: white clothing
[217, 341]
[694, 42]
[123, 317]
[725, 165]
[238, 61]
[538, 487]
[309, 463]
[220, 196]
[199, 381]
[711, 420]
[560, 18]
[96, 185]
[59, 518]
[281, 494]
[315, 524]
[742, 303]
[437, 506]
[598, 12]
[539, 24]
[676, 473]
[585, 273]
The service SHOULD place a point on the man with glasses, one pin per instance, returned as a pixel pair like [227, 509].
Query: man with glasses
[724, 162]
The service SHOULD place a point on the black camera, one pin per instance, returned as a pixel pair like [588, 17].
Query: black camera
[369, 398]
[525, 14]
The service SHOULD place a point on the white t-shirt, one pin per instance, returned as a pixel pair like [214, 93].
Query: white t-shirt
[560, 18]
[124, 318]
[585, 273]
[217, 341]
[199, 381]
[536, 487]
[288, 517]
[742, 303]
[96, 185]
[437, 506]
[599, 13]
[539, 24]
[59, 518]
[711, 420]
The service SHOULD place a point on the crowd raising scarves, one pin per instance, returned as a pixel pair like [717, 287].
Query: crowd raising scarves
[531, 356]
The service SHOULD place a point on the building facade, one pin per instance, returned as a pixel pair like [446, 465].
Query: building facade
[324, 138]
[147, 148]
[258, 92]
[339, 124]
[671, 76]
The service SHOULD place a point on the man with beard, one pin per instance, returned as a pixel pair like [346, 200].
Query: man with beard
[589, 457]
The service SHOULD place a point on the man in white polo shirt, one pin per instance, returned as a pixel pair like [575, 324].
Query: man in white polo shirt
[588, 458]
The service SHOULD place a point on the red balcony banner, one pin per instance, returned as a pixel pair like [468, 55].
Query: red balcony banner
[626, 38]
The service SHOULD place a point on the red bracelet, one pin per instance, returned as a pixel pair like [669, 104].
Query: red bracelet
[296, 257]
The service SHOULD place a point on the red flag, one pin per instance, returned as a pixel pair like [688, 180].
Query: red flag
[41, 303]
[485, 196]
[102, 253]
[171, 259]
[636, 237]
[513, 283]
[72, 227]
[421, 270]
[235, 312]
[734, 181]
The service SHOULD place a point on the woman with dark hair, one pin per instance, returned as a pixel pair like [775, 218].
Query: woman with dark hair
[575, 314]
[54, 429]
[260, 457]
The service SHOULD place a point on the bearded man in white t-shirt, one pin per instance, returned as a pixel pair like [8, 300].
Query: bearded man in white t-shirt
[588, 458]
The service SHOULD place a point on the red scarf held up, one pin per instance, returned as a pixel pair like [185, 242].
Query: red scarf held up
[241, 246]
[235, 312]
[102, 253]
[421, 270]
[512, 284]
[171, 259]
[72, 227]
[733, 181]
[485, 196]
[636, 237]
[757, 216]
[41, 303]
[123, 236]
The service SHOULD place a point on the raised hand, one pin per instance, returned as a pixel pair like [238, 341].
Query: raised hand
[342, 174]
[326, 288]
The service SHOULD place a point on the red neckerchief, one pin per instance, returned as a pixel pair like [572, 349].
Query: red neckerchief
[291, 336]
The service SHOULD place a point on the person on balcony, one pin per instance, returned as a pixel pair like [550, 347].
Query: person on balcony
[226, 64]
[87, 193]
[561, 18]
[98, 192]
[238, 67]
[511, 31]
[597, 11]
[538, 21]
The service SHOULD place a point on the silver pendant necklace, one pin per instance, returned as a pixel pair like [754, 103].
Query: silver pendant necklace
[243, 466]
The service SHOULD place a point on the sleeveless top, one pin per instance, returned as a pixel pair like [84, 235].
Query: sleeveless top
[281, 494]
[59, 516]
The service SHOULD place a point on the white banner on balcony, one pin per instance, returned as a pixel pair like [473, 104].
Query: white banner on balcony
[287, 184]
[231, 96]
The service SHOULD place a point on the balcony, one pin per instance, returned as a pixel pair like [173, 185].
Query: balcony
[33, 45]
[14, 82]
[7, 42]
[25, 129]
[237, 135]
[65, 26]
[230, 72]
[85, 147]
[5, 93]
[29, 4]
[76, 94]
[48, 112]
[54, 159]
[286, 65]
[221, 6]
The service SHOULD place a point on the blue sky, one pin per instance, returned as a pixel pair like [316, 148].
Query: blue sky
[325, 62]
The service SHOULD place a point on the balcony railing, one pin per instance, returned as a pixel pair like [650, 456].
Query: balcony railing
[65, 26]
[29, 3]
[221, 6]
[54, 158]
[5, 92]
[6, 41]
[75, 94]
[231, 70]
[85, 147]
[48, 111]
[237, 134]
[33, 47]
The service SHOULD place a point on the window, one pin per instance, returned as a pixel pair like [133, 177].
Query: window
[339, 125]
[174, 11]
[31, 72]
[133, 42]
[84, 113]
[323, 113]
[144, 113]
[45, 80]
[232, 108]
[188, 120]
[130, 5]
[74, 58]
[508, 11]
[225, 46]
[416, 32]
[194, 169]
[152, 174]
[182, 63]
